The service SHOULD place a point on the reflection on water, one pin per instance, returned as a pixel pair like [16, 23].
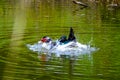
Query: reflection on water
[27, 21]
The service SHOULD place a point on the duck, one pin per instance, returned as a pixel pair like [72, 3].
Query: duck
[61, 46]
[48, 43]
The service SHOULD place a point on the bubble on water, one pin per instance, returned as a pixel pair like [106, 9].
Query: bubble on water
[71, 48]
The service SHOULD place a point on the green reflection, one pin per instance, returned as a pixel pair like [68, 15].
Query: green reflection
[26, 22]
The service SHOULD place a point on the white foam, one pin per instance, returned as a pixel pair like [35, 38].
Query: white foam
[71, 48]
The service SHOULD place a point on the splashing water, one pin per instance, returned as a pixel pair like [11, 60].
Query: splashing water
[72, 48]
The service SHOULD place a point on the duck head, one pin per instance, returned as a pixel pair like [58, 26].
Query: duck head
[45, 39]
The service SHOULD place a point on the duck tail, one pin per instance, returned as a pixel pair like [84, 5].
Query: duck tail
[71, 35]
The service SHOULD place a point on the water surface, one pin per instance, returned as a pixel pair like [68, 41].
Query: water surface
[21, 24]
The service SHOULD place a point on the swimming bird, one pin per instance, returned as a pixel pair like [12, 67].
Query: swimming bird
[61, 46]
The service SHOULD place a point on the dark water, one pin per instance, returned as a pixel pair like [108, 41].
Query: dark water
[25, 23]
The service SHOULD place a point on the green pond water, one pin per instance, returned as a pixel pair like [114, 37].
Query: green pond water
[22, 24]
